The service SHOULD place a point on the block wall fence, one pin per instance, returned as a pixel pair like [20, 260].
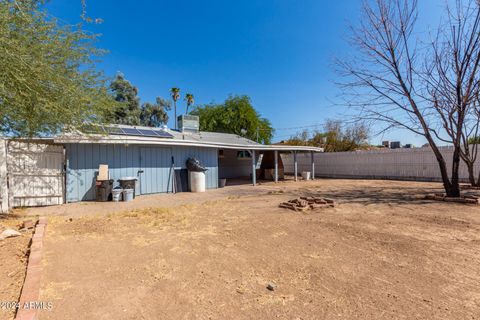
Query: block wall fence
[417, 164]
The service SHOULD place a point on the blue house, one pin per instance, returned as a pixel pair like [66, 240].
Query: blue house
[67, 165]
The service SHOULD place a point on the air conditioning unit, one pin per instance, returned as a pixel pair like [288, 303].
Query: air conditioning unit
[188, 123]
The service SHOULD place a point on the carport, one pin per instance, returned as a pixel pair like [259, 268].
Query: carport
[282, 149]
[255, 161]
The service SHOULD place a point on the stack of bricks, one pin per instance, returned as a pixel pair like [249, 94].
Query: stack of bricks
[308, 203]
[468, 199]
[28, 309]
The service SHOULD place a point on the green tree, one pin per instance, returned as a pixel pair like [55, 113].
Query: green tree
[154, 114]
[128, 110]
[175, 93]
[336, 137]
[190, 100]
[48, 78]
[235, 115]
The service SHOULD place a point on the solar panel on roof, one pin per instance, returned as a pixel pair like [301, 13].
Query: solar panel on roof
[131, 131]
[114, 130]
[147, 132]
[162, 134]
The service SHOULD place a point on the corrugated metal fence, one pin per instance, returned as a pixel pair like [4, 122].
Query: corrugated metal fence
[402, 164]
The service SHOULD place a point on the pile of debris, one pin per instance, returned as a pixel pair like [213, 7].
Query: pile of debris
[468, 199]
[308, 203]
[7, 232]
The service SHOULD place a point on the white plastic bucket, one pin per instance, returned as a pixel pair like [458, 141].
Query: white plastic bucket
[197, 181]
[117, 194]
[127, 194]
[306, 175]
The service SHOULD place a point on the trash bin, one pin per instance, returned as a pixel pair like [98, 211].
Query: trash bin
[197, 181]
[222, 182]
[117, 194]
[128, 183]
[196, 175]
[128, 194]
[103, 190]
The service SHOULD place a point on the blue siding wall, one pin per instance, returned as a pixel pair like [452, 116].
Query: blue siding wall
[83, 161]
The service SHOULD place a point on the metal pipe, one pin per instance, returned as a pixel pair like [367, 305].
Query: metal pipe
[313, 164]
[276, 165]
[295, 165]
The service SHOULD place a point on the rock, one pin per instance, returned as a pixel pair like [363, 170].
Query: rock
[271, 286]
[471, 201]
[28, 224]
[8, 233]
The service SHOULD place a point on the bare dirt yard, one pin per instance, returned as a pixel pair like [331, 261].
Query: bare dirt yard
[382, 253]
[13, 261]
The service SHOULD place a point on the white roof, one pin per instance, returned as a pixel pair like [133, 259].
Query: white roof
[201, 139]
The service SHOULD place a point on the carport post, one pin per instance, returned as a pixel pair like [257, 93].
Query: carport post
[254, 169]
[313, 164]
[276, 165]
[295, 165]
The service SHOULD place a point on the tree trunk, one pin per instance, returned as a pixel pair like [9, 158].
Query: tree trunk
[450, 189]
[175, 112]
[471, 173]
[454, 184]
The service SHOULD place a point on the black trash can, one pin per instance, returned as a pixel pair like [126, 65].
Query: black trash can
[103, 190]
[128, 183]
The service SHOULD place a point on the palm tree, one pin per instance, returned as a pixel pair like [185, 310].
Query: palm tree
[190, 100]
[175, 93]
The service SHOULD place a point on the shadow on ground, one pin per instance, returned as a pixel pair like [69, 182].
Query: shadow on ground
[377, 195]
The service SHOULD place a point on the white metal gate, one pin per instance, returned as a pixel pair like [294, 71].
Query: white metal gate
[35, 174]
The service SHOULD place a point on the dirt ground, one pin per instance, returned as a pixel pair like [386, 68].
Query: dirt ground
[13, 261]
[382, 253]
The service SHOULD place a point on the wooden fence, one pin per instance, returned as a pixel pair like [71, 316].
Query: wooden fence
[31, 174]
[398, 164]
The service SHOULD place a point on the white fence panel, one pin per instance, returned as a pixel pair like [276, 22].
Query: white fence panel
[35, 174]
[403, 164]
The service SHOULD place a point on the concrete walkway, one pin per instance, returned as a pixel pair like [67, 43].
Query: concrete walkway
[239, 188]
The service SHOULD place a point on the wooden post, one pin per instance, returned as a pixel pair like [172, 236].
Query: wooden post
[313, 164]
[276, 166]
[4, 196]
[254, 168]
[295, 165]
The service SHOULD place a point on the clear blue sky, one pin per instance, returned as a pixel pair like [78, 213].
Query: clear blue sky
[280, 53]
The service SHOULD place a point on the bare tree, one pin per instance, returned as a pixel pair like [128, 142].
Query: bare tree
[470, 144]
[453, 81]
[403, 83]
